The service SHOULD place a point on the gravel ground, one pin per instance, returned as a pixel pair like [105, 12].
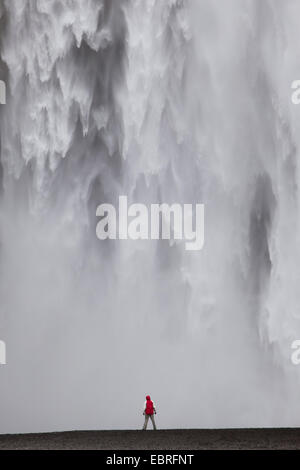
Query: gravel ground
[177, 439]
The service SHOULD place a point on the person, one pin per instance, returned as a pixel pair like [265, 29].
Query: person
[149, 411]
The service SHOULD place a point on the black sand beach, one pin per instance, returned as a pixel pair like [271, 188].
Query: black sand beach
[177, 439]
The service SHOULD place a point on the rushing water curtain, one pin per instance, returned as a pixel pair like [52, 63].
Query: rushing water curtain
[183, 101]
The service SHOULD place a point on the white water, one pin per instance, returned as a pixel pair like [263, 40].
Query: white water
[173, 101]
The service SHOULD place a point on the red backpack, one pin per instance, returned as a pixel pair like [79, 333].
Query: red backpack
[149, 407]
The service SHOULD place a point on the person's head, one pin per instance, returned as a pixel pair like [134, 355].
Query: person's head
[148, 397]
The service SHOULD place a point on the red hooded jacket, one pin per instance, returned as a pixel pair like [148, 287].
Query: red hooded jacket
[149, 410]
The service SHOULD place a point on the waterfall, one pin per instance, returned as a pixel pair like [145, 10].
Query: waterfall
[183, 101]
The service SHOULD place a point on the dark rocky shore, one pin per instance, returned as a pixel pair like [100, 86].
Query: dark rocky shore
[177, 439]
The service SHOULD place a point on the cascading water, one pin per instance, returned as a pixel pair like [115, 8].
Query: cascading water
[163, 101]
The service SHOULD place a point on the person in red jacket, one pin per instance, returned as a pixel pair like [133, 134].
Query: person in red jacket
[149, 411]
